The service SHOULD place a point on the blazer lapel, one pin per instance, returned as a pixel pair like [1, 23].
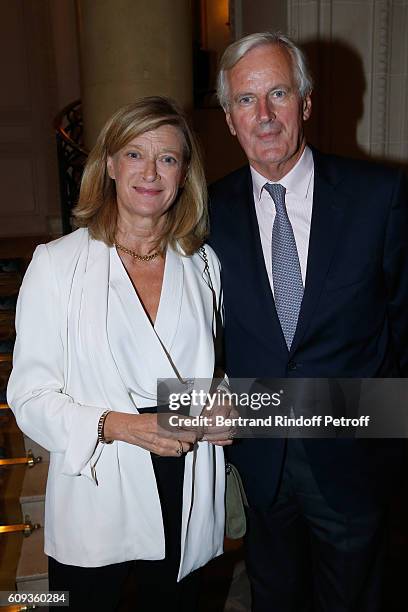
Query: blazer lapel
[328, 211]
[257, 280]
[95, 365]
[168, 314]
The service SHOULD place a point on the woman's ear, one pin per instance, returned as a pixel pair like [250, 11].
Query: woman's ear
[110, 167]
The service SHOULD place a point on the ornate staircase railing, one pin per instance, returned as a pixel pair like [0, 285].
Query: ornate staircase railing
[72, 155]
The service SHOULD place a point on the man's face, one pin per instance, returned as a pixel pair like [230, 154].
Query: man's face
[266, 112]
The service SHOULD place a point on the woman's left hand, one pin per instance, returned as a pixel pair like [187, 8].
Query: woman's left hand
[146, 431]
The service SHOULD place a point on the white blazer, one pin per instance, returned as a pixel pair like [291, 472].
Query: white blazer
[84, 344]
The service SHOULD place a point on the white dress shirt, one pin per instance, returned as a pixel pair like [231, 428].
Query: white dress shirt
[299, 203]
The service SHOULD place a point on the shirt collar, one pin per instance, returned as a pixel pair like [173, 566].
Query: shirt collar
[296, 181]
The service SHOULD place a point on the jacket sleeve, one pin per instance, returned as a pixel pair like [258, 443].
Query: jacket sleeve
[395, 264]
[35, 393]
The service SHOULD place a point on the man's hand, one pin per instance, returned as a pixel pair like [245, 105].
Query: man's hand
[222, 434]
[210, 425]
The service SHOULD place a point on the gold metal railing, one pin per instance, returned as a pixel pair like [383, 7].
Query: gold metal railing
[29, 460]
[17, 608]
[27, 527]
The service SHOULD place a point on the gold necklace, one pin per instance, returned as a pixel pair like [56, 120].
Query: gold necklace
[137, 255]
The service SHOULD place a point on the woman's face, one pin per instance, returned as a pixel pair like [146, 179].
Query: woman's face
[148, 173]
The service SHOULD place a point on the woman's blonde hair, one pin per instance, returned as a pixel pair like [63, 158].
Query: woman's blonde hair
[187, 219]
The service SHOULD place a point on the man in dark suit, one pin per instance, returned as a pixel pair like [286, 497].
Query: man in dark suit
[313, 251]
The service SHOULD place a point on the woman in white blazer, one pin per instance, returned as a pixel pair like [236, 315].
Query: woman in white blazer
[102, 314]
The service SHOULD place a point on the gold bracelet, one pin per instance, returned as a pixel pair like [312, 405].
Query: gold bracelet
[101, 425]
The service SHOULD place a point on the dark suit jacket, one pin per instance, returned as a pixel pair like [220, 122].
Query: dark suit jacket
[353, 322]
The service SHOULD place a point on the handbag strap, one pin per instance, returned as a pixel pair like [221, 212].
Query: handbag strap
[204, 256]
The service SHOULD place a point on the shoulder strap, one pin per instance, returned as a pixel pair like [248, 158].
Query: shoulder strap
[204, 255]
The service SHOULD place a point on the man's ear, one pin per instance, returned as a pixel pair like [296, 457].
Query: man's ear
[230, 123]
[307, 107]
[109, 167]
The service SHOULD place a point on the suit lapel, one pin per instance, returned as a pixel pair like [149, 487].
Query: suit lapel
[257, 280]
[328, 212]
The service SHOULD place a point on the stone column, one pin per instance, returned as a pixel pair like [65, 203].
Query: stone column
[132, 48]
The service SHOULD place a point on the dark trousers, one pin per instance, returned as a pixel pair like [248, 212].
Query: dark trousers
[303, 556]
[139, 586]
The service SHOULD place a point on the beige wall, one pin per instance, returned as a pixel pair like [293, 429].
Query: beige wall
[260, 15]
[39, 73]
[66, 55]
[222, 153]
[27, 166]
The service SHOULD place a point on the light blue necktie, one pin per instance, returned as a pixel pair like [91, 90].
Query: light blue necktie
[286, 273]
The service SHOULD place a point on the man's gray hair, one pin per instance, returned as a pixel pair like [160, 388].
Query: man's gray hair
[239, 48]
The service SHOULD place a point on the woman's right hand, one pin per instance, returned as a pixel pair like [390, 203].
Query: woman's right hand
[144, 430]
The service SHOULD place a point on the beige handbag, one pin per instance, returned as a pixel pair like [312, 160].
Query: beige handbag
[235, 502]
